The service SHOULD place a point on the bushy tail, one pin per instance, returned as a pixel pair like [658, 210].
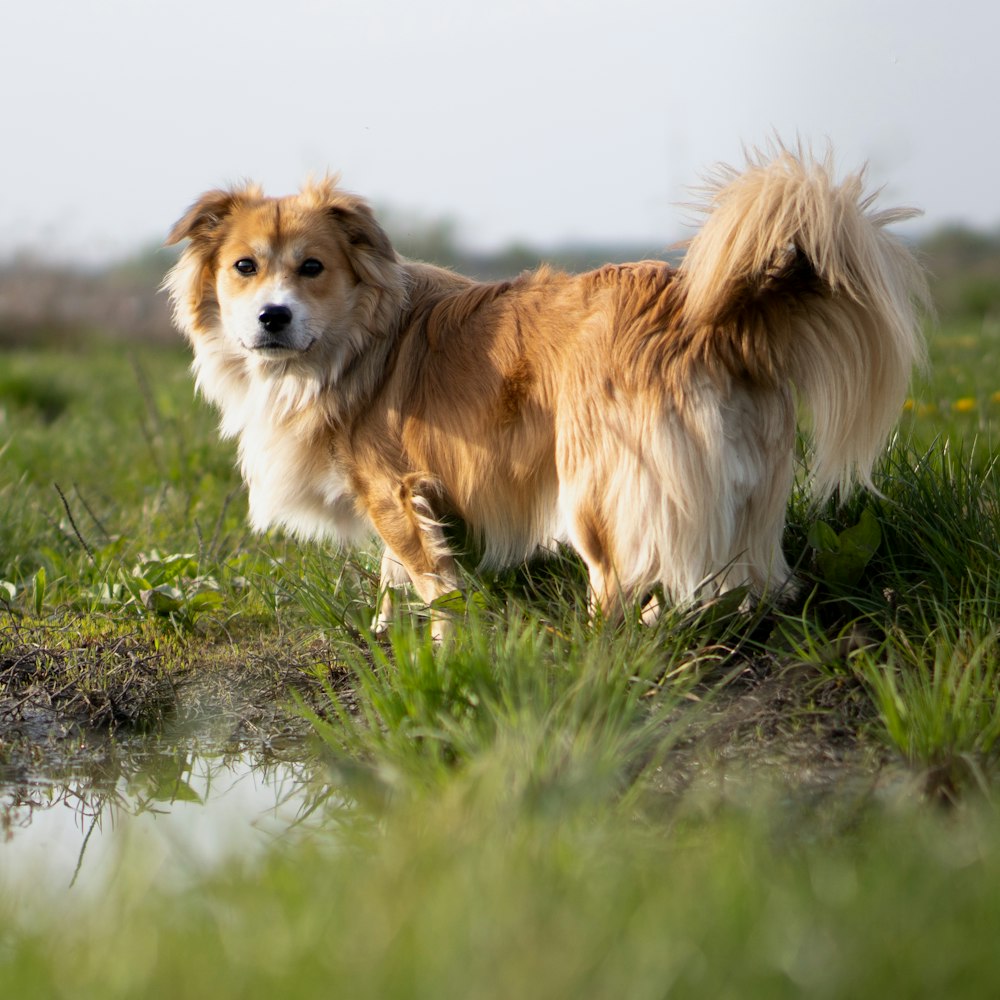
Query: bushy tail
[798, 278]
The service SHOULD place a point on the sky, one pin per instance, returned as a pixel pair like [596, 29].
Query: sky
[533, 121]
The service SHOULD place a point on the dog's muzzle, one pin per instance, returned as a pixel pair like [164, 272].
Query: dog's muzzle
[276, 334]
[275, 319]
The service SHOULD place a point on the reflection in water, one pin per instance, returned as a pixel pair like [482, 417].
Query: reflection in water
[184, 806]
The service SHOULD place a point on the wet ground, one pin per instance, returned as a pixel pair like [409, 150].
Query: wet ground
[103, 749]
[113, 740]
[66, 821]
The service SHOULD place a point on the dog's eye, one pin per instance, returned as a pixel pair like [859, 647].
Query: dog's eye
[245, 266]
[310, 268]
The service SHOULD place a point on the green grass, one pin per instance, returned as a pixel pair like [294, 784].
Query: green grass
[480, 890]
[959, 396]
[125, 490]
[795, 802]
[936, 696]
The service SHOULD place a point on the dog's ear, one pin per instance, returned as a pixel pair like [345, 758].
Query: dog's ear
[190, 280]
[205, 217]
[352, 216]
[369, 251]
[357, 222]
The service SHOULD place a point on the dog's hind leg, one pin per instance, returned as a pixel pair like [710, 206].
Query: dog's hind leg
[392, 577]
[651, 610]
[416, 550]
[590, 539]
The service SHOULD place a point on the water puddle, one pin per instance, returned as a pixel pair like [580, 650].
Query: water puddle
[183, 807]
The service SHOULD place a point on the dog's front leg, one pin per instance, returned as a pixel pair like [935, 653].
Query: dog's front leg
[416, 549]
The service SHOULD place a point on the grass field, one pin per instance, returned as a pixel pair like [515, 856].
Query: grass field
[725, 805]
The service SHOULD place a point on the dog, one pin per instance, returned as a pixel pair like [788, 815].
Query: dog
[644, 414]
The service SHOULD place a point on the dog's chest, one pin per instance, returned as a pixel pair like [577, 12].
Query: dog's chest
[294, 482]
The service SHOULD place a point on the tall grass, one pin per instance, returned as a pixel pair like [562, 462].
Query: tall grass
[586, 705]
[941, 520]
[937, 693]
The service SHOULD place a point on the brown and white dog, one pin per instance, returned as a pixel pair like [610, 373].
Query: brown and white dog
[642, 413]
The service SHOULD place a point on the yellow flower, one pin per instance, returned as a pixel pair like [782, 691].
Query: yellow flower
[908, 405]
[996, 396]
[964, 405]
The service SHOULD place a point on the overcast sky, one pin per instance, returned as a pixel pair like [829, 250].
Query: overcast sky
[532, 120]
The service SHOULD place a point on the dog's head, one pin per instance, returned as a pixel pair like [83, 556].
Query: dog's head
[276, 279]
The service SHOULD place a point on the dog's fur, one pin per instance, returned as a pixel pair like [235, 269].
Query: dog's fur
[642, 413]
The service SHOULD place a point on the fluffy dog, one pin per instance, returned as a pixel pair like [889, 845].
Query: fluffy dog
[644, 414]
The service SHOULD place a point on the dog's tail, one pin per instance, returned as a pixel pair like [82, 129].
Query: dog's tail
[794, 278]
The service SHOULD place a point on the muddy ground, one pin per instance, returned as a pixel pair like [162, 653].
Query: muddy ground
[67, 698]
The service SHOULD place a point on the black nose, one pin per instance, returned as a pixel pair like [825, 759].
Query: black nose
[274, 319]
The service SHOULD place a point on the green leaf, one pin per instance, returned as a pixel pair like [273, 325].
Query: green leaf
[162, 600]
[822, 537]
[38, 585]
[180, 565]
[149, 571]
[205, 600]
[864, 538]
[842, 562]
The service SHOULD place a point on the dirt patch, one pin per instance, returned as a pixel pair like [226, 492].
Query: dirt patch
[50, 684]
[796, 724]
[79, 681]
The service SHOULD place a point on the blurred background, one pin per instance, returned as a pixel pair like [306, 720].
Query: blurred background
[488, 137]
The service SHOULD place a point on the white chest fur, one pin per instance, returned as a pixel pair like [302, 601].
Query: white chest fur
[297, 485]
[292, 475]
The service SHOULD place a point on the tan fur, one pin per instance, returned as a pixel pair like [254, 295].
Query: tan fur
[643, 414]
